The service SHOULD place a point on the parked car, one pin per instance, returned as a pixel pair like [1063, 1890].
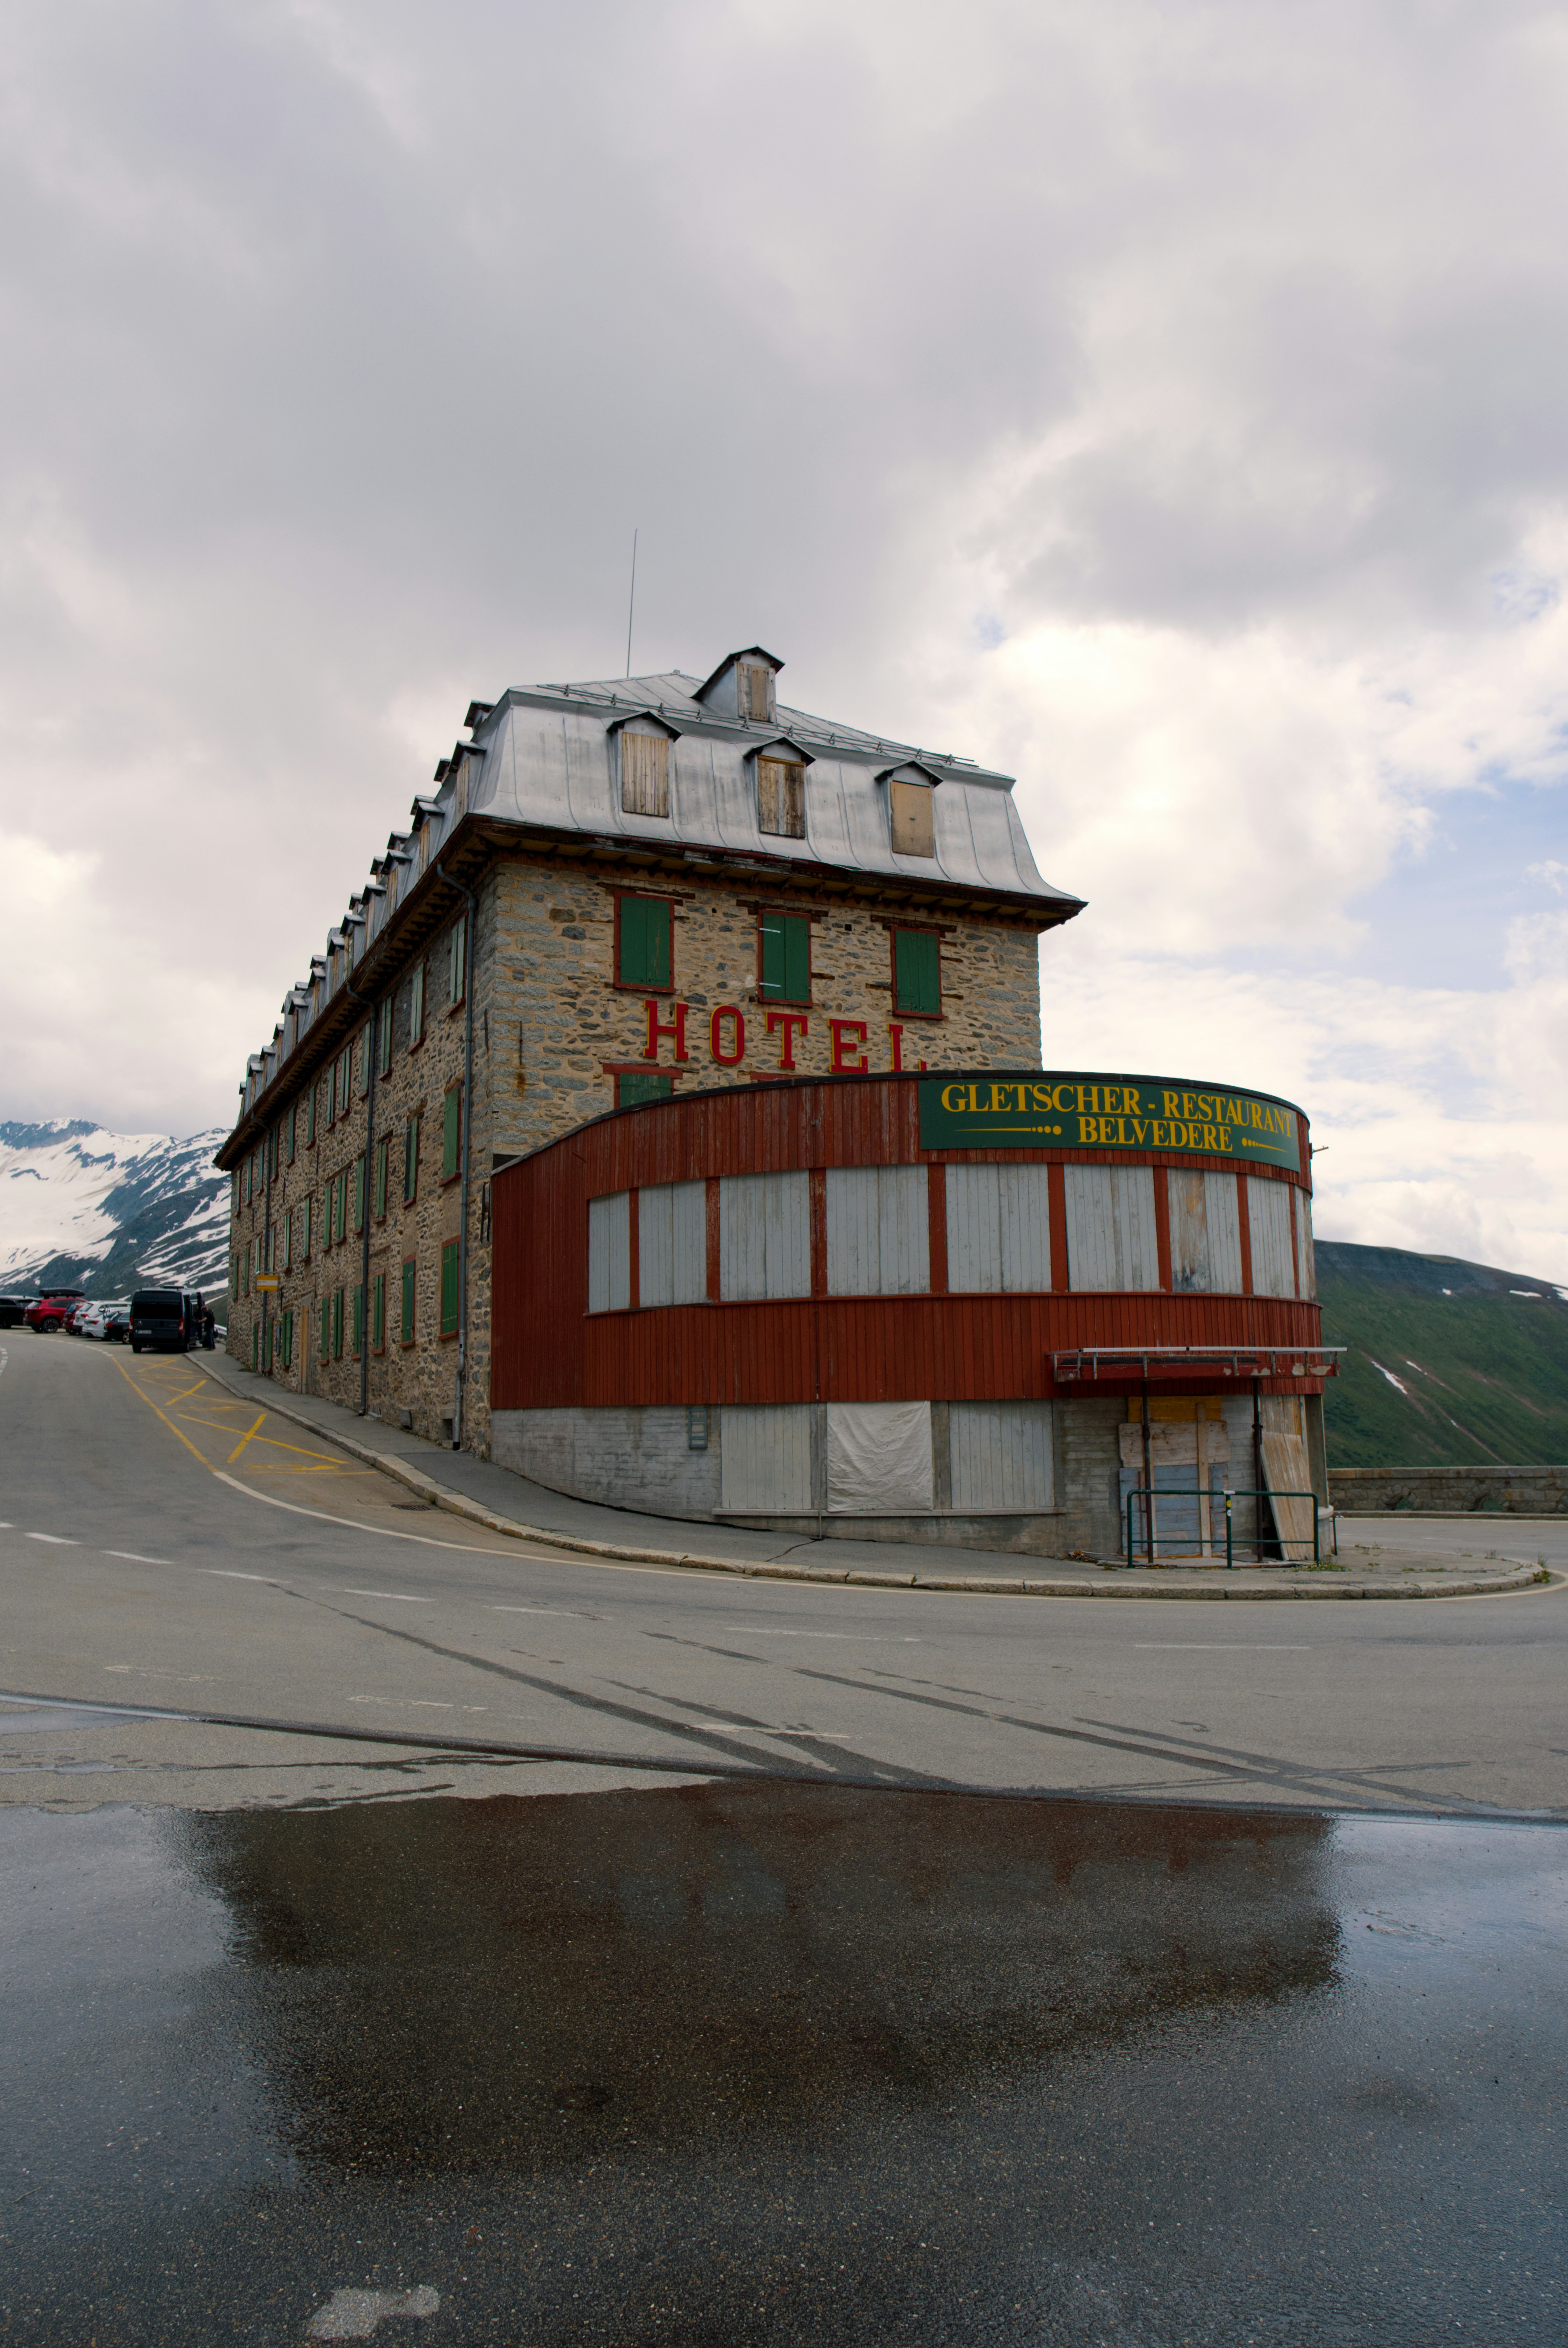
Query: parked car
[72, 1323]
[13, 1310]
[166, 1319]
[95, 1319]
[117, 1325]
[46, 1313]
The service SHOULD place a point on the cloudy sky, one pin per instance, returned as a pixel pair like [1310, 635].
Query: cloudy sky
[1166, 402]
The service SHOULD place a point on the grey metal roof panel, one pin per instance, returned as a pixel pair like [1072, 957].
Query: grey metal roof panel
[548, 763]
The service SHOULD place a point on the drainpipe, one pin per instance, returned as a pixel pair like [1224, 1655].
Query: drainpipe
[374, 1046]
[468, 985]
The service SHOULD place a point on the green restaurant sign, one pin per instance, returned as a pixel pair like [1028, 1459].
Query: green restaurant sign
[1053, 1111]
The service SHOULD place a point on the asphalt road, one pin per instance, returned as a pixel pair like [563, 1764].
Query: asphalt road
[165, 1545]
[302, 2044]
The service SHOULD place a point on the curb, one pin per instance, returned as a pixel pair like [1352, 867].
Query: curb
[969, 1585]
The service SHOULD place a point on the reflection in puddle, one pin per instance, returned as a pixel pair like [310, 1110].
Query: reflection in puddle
[504, 1985]
[722, 2065]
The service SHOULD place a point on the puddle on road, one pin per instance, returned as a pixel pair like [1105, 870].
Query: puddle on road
[717, 2065]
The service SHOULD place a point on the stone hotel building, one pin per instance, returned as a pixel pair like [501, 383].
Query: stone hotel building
[614, 893]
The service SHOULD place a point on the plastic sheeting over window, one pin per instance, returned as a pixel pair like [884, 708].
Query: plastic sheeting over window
[879, 1460]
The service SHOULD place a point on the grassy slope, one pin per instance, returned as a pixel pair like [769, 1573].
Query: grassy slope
[1486, 1371]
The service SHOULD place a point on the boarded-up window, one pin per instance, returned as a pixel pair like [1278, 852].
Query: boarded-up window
[1110, 1240]
[1000, 1453]
[913, 831]
[1268, 1214]
[764, 1235]
[608, 1254]
[999, 1229]
[754, 685]
[785, 943]
[642, 941]
[644, 773]
[781, 796]
[764, 1460]
[673, 1243]
[1205, 1233]
[878, 1231]
[917, 972]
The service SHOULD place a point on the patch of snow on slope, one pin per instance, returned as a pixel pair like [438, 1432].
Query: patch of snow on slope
[74, 1196]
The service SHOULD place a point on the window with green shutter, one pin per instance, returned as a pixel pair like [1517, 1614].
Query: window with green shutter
[642, 941]
[786, 941]
[416, 1006]
[450, 1255]
[286, 1340]
[408, 1301]
[411, 1159]
[311, 1118]
[307, 1210]
[337, 1325]
[358, 1321]
[378, 1312]
[635, 1086]
[457, 962]
[451, 1133]
[326, 1329]
[382, 1169]
[917, 972]
[384, 1040]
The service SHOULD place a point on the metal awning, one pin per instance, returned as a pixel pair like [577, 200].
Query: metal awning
[1093, 1362]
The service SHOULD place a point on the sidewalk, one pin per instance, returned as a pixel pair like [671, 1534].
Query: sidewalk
[491, 1496]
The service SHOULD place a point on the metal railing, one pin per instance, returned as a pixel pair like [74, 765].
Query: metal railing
[1152, 1492]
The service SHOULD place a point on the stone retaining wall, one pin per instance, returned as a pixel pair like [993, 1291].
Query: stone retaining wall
[1450, 1491]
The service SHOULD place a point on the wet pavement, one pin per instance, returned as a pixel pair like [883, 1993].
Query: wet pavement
[764, 2062]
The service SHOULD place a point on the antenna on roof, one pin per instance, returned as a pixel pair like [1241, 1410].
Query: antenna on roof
[632, 604]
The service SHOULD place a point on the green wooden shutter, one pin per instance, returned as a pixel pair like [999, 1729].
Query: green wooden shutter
[916, 971]
[408, 1303]
[359, 1320]
[337, 1325]
[635, 1086]
[786, 958]
[359, 1193]
[644, 942]
[449, 1289]
[451, 1133]
[410, 1159]
[378, 1312]
[326, 1329]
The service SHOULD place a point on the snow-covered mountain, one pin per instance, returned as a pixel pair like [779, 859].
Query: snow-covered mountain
[81, 1208]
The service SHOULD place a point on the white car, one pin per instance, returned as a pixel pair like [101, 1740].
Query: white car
[98, 1320]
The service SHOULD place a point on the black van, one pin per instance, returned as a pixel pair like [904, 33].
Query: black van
[164, 1318]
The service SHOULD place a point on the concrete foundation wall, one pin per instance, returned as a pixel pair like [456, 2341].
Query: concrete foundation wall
[1450, 1491]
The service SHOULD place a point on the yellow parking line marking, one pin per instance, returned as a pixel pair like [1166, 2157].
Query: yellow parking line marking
[244, 1440]
[164, 1415]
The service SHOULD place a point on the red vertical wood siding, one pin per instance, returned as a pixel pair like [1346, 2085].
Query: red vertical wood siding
[547, 1352]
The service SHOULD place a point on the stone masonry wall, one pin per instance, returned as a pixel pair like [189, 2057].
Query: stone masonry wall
[551, 1029]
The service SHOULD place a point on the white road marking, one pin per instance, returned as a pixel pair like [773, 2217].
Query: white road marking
[401, 1595]
[354, 2314]
[387, 1532]
[865, 1638]
[222, 1572]
[57, 1540]
[131, 1558]
[1221, 1647]
[573, 1613]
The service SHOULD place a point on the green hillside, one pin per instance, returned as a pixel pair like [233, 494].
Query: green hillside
[1480, 1357]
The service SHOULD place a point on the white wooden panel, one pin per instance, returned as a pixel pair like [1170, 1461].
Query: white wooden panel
[764, 1236]
[1306, 1264]
[878, 1231]
[608, 1254]
[974, 1231]
[765, 1457]
[1024, 1198]
[673, 1243]
[1110, 1240]
[1000, 1455]
[1205, 1233]
[879, 1460]
[1268, 1214]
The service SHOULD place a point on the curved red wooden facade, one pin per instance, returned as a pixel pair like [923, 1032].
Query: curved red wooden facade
[551, 1351]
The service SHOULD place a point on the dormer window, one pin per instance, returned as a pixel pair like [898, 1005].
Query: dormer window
[910, 811]
[642, 748]
[780, 767]
[743, 686]
[781, 798]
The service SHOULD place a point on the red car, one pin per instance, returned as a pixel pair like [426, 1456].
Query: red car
[49, 1312]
